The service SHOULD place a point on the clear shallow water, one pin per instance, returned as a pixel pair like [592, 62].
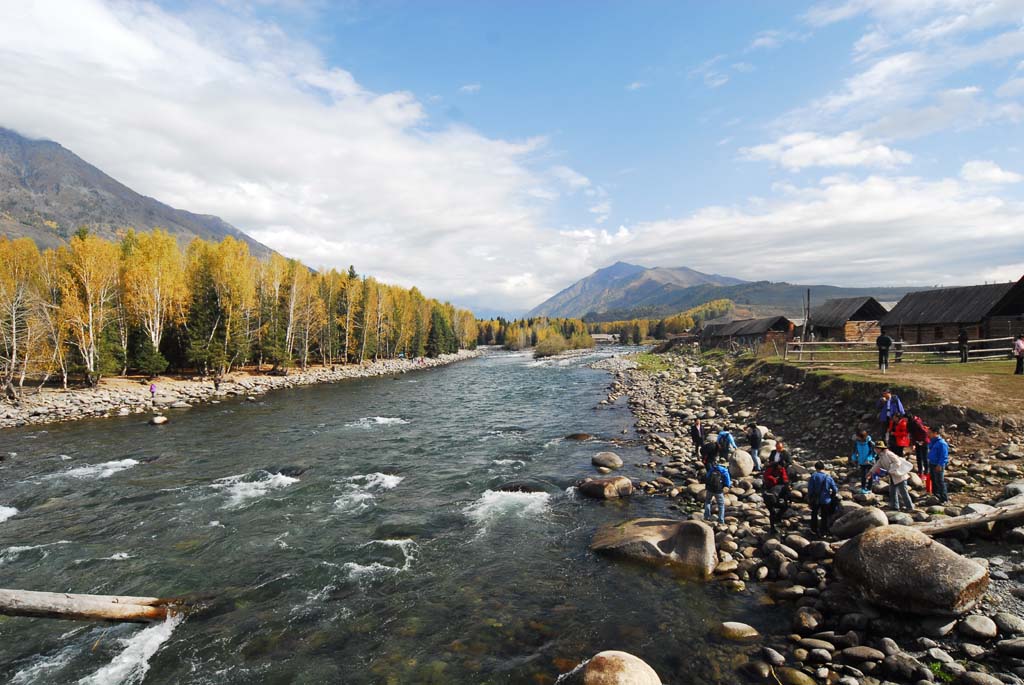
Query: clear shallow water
[391, 559]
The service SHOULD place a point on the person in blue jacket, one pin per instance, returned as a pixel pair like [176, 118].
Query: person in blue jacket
[938, 459]
[863, 457]
[823, 496]
[726, 444]
[715, 483]
[889, 407]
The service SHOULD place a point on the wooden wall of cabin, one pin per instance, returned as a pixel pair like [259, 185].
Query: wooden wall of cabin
[861, 331]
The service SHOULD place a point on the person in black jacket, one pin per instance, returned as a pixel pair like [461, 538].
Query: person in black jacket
[962, 341]
[755, 438]
[883, 343]
[697, 434]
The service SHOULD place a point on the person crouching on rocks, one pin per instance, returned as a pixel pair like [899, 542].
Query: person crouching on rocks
[726, 444]
[776, 492]
[898, 470]
[715, 483]
[823, 496]
[779, 455]
[863, 457]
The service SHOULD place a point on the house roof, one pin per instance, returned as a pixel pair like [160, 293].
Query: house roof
[836, 312]
[743, 327]
[968, 304]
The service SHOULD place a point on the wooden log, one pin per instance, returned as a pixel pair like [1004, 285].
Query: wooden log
[970, 520]
[85, 607]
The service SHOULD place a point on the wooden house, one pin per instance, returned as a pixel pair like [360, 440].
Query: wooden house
[847, 319]
[984, 311]
[748, 331]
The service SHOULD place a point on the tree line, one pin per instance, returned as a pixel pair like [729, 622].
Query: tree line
[548, 336]
[95, 307]
[636, 331]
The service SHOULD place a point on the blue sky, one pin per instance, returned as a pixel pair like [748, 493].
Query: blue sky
[495, 152]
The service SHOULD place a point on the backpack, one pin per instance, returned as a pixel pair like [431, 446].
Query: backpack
[723, 442]
[715, 482]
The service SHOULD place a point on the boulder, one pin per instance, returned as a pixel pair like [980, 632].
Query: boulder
[1009, 624]
[858, 521]
[736, 632]
[740, 464]
[688, 546]
[158, 420]
[607, 488]
[608, 460]
[613, 668]
[903, 569]
[792, 676]
[978, 627]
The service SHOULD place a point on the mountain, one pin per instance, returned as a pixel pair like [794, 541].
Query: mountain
[624, 286]
[626, 291]
[48, 192]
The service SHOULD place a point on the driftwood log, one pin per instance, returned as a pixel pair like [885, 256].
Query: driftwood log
[86, 607]
[970, 520]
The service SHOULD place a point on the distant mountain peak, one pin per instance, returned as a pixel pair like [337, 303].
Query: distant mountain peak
[48, 192]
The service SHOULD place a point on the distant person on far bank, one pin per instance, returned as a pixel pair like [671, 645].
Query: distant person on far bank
[715, 483]
[823, 496]
[884, 344]
[863, 457]
[152, 392]
[898, 470]
[889, 407]
[963, 344]
[1018, 352]
[938, 460]
[697, 434]
[755, 438]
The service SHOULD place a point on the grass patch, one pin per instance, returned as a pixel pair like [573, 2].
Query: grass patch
[652, 363]
[940, 673]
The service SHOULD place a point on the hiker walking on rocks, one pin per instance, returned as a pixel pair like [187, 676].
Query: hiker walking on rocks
[883, 343]
[898, 471]
[963, 343]
[776, 492]
[697, 434]
[726, 444]
[715, 483]
[863, 457]
[822, 495]
[1018, 352]
[889, 407]
[754, 437]
[152, 393]
[938, 460]
[919, 438]
[708, 454]
[899, 435]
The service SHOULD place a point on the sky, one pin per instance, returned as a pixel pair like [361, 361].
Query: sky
[492, 153]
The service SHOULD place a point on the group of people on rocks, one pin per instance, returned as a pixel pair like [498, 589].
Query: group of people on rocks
[870, 458]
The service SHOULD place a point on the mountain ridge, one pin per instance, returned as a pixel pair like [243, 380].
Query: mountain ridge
[47, 192]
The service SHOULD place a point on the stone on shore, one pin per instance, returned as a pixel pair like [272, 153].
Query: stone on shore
[858, 521]
[688, 546]
[614, 668]
[608, 460]
[613, 487]
[900, 568]
[741, 464]
[736, 631]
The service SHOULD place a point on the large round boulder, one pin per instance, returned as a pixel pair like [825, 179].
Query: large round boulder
[613, 668]
[608, 460]
[688, 546]
[606, 488]
[903, 569]
[857, 521]
[740, 464]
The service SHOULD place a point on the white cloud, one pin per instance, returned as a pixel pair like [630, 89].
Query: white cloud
[743, 67]
[1012, 88]
[850, 149]
[570, 177]
[987, 172]
[602, 209]
[470, 88]
[772, 39]
[636, 85]
[710, 72]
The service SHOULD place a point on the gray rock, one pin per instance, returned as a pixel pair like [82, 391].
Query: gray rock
[862, 654]
[1009, 624]
[736, 631]
[614, 668]
[740, 464]
[858, 521]
[978, 627]
[613, 487]
[158, 420]
[608, 460]
[903, 569]
[978, 678]
[791, 676]
[686, 545]
[1012, 647]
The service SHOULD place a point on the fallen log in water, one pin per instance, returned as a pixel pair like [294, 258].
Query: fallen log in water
[970, 520]
[86, 607]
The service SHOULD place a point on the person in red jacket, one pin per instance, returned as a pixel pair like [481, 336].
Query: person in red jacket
[919, 438]
[776, 491]
[899, 435]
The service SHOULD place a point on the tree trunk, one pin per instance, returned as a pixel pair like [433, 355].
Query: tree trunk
[84, 607]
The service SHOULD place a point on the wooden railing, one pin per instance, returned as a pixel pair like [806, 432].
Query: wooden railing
[826, 352]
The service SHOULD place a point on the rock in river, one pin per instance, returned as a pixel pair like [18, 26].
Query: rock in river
[613, 668]
[158, 420]
[903, 569]
[609, 460]
[607, 488]
[685, 545]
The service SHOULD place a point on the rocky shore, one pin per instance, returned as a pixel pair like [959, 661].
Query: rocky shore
[878, 601]
[121, 397]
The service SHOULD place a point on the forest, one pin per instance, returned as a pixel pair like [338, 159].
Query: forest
[146, 304]
[637, 330]
[547, 336]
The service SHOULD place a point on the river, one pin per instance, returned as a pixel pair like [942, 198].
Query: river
[390, 559]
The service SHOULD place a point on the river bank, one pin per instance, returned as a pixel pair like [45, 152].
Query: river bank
[965, 594]
[117, 396]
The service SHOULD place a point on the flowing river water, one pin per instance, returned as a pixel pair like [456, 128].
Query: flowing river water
[391, 558]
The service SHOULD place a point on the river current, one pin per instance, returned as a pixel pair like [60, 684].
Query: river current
[349, 533]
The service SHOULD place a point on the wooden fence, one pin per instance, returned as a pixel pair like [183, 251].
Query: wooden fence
[799, 352]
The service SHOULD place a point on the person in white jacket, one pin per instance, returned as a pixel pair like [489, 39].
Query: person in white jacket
[898, 471]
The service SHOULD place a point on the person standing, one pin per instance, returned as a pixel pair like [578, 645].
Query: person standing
[715, 483]
[776, 492]
[1018, 352]
[898, 470]
[919, 438]
[822, 495]
[755, 438]
[883, 343]
[152, 393]
[709, 454]
[697, 434]
[963, 342]
[889, 406]
[863, 457]
[899, 435]
[938, 460]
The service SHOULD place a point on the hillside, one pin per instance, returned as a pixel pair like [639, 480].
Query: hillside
[47, 193]
[624, 286]
[625, 291]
